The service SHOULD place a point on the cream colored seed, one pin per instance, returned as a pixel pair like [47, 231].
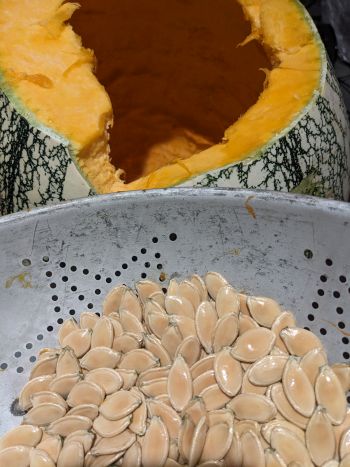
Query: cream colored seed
[113, 445]
[155, 447]
[154, 388]
[246, 323]
[179, 385]
[88, 320]
[168, 415]
[228, 372]
[284, 320]
[214, 281]
[214, 398]
[320, 438]
[63, 384]
[16, 456]
[109, 428]
[145, 288]
[158, 323]
[198, 442]
[132, 456]
[78, 340]
[330, 395]
[171, 339]
[312, 362]
[130, 323]
[264, 310]
[44, 366]
[52, 445]
[267, 428]
[273, 459]
[152, 374]
[113, 298]
[203, 365]
[299, 341]
[186, 433]
[267, 371]
[67, 362]
[85, 392]
[131, 303]
[297, 388]
[205, 321]
[342, 371]
[44, 413]
[138, 360]
[25, 435]
[199, 283]
[103, 333]
[217, 442]
[119, 405]
[195, 410]
[100, 357]
[153, 344]
[38, 384]
[225, 332]
[283, 406]
[177, 305]
[39, 458]
[190, 350]
[159, 298]
[186, 325]
[86, 438]
[252, 450]
[203, 381]
[234, 456]
[68, 424]
[71, 455]
[65, 329]
[253, 407]
[227, 301]
[344, 446]
[289, 447]
[126, 342]
[108, 379]
[253, 345]
[85, 410]
[190, 292]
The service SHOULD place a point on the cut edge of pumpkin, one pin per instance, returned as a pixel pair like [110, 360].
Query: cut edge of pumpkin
[291, 88]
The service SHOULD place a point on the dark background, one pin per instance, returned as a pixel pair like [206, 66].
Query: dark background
[332, 18]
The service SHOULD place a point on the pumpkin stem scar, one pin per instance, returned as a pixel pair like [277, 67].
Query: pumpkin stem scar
[24, 279]
[249, 207]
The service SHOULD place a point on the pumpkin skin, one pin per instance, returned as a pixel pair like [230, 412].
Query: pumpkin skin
[306, 151]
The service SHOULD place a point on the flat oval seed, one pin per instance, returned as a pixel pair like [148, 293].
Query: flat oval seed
[228, 372]
[190, 350]
[273, 459]
[100, 357]
[155, 447]
[299, 341]
[333, 463]
[130, 323]
[176, 305]
[186, 433]
[102, 334]
[25, 435]
[179, 384]
[145, 288]
[283, 406]
[66, 328]
[153, 344]
[119, 405]
[173, 287]
[252, 450]
[186, 325]
[264, 310]
[158, 323]
[132, 457]
[253, 345]
[107, 378]
[85, 392]
[214, 398]
[246, 323]
[214, 281]
[88, 320]
[109, 428]
[248, 387]
[129, 378]
[227, 301]
[267, 428]
[225, 332]
[330, 395]
[199, 283]
[312, 362]
[131, 303]
[68, 424]
[47, 396]
[345, 462]
[104, 460]
[203, 381]
[139, 415]
[253, 407]
[63, 384]
[44, 366]
[86, 438]
[67, 363]
[320, 439]
[85, 410]
[190, 292]
[41, 383]
[342, 371]
[234, 456]
[138, 360]
[297, 388]
[155, 388]
[152, 374]
[268, 370]
[39, 458]
[247, 425]
[113, 298]
[159, 298]
[44, 413]
[217, 442]
[284, 320]
[71, 455]
[205, 321]
[15, 456]
[78, 340]
[118, 443]
[195, 410]
[198, 442]
[167, 414]
[344, 446]
[289, 447]
[203, 365]
[126, 342]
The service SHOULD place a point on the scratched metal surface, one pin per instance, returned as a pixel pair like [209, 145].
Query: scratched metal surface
[57, 262]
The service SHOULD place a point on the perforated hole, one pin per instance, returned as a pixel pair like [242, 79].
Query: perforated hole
[3, 366]
[308, 254]
[26, 262]
[46, 259]
[32, 358]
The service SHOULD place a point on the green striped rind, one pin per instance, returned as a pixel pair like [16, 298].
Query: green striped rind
[312, 158]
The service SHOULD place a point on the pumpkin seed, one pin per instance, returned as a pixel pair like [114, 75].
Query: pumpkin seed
[171, 339]
[62, 385]
[119, 405]
[245, 323]
[86, 438]
[173, 287]
[129, 378]
[159, 298]
[253, 407]
[297, 388]
[107, 378]
[132, 456]
[186, 325]
[117, 327]
[152, 374]
[138, 360]
[198, 442]
[113, 298]
[217, 442]
[16, 456]
[155, 387]
[126, 342]
[344, 446]
[179, 384]
[109, 428]
[205, 321]
[190, 292]
[130, 323]
[139, 415]
[234, 456]
[153, 344]
[38, 384]
[52, 445]
[103, 333]
[145, 288]
[268, 370]
[66, 328]
[214, 398]
[195, 410]
[249, 388]
[253, 345]
[247, 425]
[44, 366]
[320, 439]
[132, 304]
[88, 320]
[71, 455]
[67, 362]
[25, 435]
[68, 424]
[342, 371]
[227, 301]
[299, 341]
[267, 428]
[214, 281]
[225, 332]
[177, 305]
[203, 381]
[167, 414]
[203, 365]
[115, 444]
[44, 413]
[158, 323]
[47, 396]
[289, 447]
[284, 320]
[173, 450]
[190, 350]
[85, 392]
[330, 395]
[85, 410]
[185, 437]
[39, 458]
[332, 463]
[273, 459]
[264, 310]
[103, 460]
[79, 340]
[100, 357]
[228, 372]
[155, 446]
[312, 362]
[345, 462]
[252, 450]
[199, 283]
[283, 406]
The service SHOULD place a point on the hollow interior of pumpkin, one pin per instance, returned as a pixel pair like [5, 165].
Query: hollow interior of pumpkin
[175, 72]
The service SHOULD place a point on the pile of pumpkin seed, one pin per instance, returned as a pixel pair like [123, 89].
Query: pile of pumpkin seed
[199, 375]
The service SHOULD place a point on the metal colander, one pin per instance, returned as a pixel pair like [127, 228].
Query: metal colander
[57, 262]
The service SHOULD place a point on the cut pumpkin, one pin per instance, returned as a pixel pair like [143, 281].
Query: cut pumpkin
[196, 93]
